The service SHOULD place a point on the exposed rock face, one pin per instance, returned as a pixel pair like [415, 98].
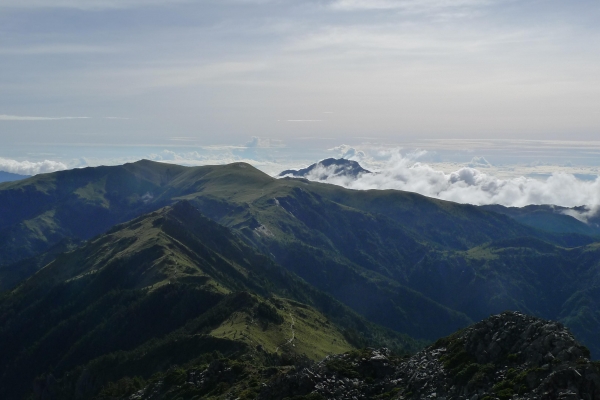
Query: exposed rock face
[507, 356]
[328, 168]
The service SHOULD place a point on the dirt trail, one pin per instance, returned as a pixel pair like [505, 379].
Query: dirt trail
[290, 340]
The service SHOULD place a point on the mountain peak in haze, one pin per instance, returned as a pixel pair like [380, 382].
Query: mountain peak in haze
[479, 162]
[10, 177]
[327, 168]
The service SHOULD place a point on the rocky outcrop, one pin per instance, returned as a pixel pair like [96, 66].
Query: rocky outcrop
[507, 356]
[328, 168]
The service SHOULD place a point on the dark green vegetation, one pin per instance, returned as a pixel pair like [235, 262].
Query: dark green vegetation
[168, 288]
[13, 274]
[419, 266]
[551, 218]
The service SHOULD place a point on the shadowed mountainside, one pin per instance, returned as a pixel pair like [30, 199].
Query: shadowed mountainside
[551, 218]
[506, 356]
[420, 266]
[166, 288]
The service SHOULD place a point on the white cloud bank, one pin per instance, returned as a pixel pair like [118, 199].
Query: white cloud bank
[30, 168]
[467, 184]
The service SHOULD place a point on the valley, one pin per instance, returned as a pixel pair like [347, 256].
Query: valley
[112, 273]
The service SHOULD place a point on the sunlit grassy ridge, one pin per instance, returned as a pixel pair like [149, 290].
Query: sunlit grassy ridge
[417, 265]
[131, 298]
[295, 329]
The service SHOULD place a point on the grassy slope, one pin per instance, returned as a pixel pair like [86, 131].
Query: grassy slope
[301, 330]
[82, 203]
[40, 211]
[521, 274]
[547, 217]
[127, 298]
[364, 248]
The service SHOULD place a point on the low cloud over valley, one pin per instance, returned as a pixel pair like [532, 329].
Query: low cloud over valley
[30, 168]
[470, 183]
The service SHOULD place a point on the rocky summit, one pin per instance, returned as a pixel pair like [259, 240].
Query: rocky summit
[507, 356]
[328, 168]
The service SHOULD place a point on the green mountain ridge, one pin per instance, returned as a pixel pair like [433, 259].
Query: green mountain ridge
[417, 265]
[551, 218]
[166, 288]
[82, 203]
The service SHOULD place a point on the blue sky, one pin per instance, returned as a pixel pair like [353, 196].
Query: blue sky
[105, 81]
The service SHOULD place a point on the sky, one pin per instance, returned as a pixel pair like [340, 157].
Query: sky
[283, 83]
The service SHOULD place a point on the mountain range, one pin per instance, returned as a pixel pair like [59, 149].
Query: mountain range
[553, 218]
[169, 281]
[110, 273]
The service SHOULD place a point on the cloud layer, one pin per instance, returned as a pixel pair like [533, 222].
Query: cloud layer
[30, 168]
[339, 69]
[468, 185]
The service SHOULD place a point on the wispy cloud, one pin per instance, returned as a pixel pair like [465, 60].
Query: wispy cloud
[389, 38]
[87, 4]
[231, 66]
[56, 49]
[413, 6]
[30, 118]
[193, 73]
[30, 168]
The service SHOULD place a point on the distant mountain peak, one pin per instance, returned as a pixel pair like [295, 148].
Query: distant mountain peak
[10, 177]
[328, 168]
[479, 162]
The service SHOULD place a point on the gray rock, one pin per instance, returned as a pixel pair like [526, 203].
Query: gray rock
[519, 356]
